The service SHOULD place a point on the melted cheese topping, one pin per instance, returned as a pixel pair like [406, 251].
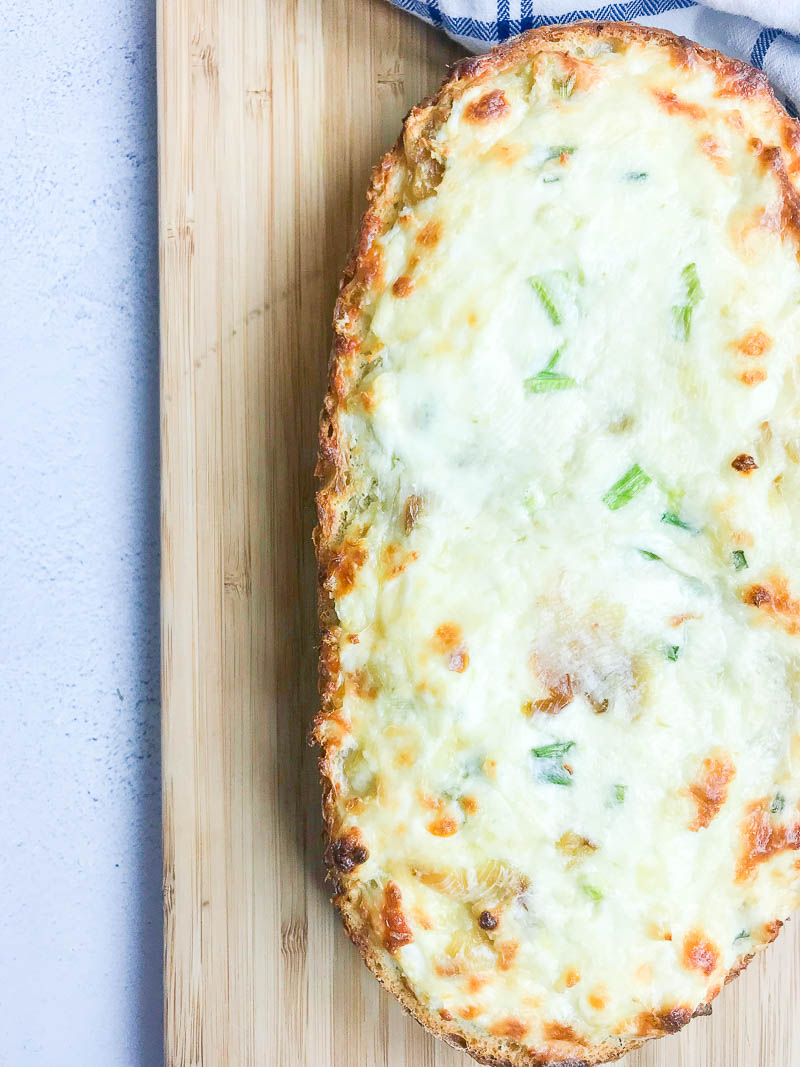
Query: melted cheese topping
[569, 642]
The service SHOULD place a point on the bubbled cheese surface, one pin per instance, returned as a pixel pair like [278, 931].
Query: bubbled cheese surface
[569, 651]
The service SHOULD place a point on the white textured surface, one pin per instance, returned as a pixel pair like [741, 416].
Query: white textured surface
[80, 918]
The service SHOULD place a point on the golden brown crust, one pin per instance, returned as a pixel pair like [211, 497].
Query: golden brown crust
[412, 170]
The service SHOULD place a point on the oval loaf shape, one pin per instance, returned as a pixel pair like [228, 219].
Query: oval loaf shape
[558, 546]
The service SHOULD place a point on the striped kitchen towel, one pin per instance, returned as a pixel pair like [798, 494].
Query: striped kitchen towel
[764, 32]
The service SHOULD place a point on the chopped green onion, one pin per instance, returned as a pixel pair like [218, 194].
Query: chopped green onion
[741, 936]
[694, 290]
[556, 150]
[671, 519]
[592, 892]
[672, 652]
[682, 313]
[547, 381]
[564, 86]
[550, 180]
[647, 554]
[619, 793]
[778, 804]
[624, 490]
[558, 776]
[636, 176]
[548, 303]
[557, 748]
[739, 559]
[682, 320]
[556, 356]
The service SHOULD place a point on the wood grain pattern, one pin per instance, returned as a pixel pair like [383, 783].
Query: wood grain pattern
[271, 113]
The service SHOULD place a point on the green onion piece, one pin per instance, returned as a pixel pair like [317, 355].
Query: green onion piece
[549, 181]
[682, 313]
[546, 381]
[592, 892]
[558, 776]
[741, 936]
[564, 86]
[619, 793]
[547, 301]
[647, 554]
[694, 290]
[778, 804]
[672, 652]
[557, 748]
[682, 320]
[556, 150]
[556, 356]
[636, 176]
[623, 491]
[671, 519]
[739, 559]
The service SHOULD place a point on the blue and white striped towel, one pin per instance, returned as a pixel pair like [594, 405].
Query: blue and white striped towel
[768, 38]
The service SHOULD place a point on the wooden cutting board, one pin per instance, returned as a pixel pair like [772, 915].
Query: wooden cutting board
[271, 113]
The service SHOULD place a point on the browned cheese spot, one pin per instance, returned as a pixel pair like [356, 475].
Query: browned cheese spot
[559, 697]
[472, 1011]
[358, 682]
[345, 564]
[490, 106]
[598, 999]
[715, 152]
[762, 839]
[651, 1023]
[476, 982]
[699, 953]
[505, 154]
[395, 562]
[448, 968]
[413, 510]
[673, 105]
[422, 919]
[710, 789]
[775, 600]
[429, 801]
[348, 852]
[744, 464]
[430, 234]
[753, 377]
[509, 1027]
[469, 805]
[571, 978]
[403, 286]
[444, 826]
[507, 953]
[396, 932]
[574, 847]
[446, 1015]
[554, 1031]
[449, 641]
[754, 343]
